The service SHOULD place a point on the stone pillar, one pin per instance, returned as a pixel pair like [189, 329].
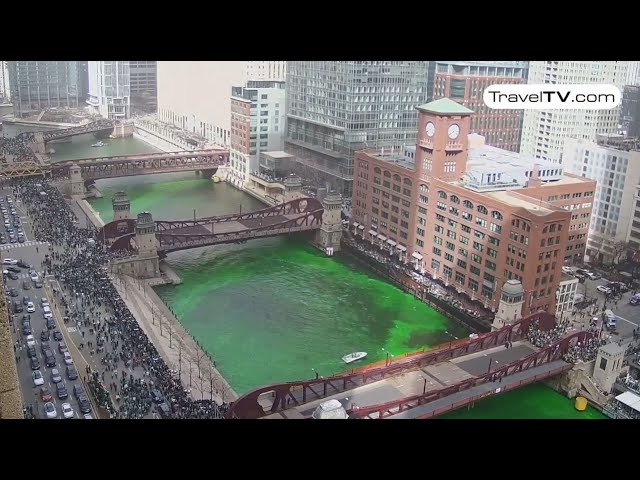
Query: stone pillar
[147, 264]
[608, 366]
[121, 206]
[293, 188]
[38, 142]
[77, 184]
[330, 233]
[510, 307]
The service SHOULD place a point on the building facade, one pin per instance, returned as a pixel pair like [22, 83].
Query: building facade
[337, 108]
[630, 111]
[257, 125]
[266, 70]
[4, 82]
[465, 82]
[633, 234]
[633, 74]
[461, 212]
[614, 163]
[544, 131]
[109, 91]
[143, 86]
[36, 86]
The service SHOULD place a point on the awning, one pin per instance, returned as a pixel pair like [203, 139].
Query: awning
[629, 399]
[416, 255]
[373, 232]
[382, 237]
[391, 242]
[361, 227]
[402, 248]
[355, 224]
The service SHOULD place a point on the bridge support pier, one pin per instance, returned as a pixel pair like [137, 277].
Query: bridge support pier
[121, 206]
[38, 145]
[77, 185]
[293, 188]
[330, 233]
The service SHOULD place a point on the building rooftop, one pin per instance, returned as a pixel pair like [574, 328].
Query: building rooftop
[517, 200]
[392, 157]
[568, 179]
[445, 106]
[612, 349]
[278, 154]
[485, 63]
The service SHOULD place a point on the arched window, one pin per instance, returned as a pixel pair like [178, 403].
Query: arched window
[407, 182]
[396, 178]
[387, 173]
[377, 170]
[545, 229]
[468, 204]
[482, 209]
[424, 188]
[442, 194]
[496, 215]
[454, 199]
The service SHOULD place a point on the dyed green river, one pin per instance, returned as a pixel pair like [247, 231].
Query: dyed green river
[276, 309]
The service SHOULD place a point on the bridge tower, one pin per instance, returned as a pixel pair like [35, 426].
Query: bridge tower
[38, 145]
[147, 262]
[510, 307]
[608, 366]
[75, 175]
[330, 233]
[293, 188]
[121, 206]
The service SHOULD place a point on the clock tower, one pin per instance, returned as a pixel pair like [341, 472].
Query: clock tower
[441, 150]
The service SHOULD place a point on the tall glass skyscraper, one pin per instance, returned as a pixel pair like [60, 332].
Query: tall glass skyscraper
[36, 86]
[337, 108]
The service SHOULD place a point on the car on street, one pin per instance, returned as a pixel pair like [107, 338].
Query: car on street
[83, 404]
[31, 307]
[603, 289]
[62, 348]
[51, 323]
[57, 336]
[50, 409]
[44, 302]
[45, 336]
[67, 411]
[55, 375]
[38, 284]
[49, 360]
[31, 352]
[156, 396]
[22, 264]
[31, 342]
[72, 373]
[34, 276]
[61, 390]
[25, 300]
[35, 363]
[9, 261]
[87, 416]
[26, 285]
[13, 292]
[78, 390]
[45, 347]
[68, 359]
[37, 378]
[14, 269]
[45, 394]
[26, 328]
[13, 276]
[594, 276]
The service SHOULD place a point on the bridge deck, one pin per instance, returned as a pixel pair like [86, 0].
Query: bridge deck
[233, 226]
[415, 382]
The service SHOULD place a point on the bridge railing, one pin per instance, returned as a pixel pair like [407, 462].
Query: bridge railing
[552, 352]
[247, 405]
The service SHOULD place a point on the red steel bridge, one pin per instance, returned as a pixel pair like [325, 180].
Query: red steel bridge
[298, 215]
[144, 164]
[424, 384]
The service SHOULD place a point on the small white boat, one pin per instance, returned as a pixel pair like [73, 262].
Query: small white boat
[99, 144]
[352, 357]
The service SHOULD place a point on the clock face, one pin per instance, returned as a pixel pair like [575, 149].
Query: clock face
[430, 129]
[454, 131]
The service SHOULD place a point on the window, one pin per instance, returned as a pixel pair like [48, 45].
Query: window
[468, 204]
[437, 240]
[496, 215]
[454, 199]
[482, 209]
[437, 251]
[495, 228]
[462, 263]
[264, 113]
[442, 194]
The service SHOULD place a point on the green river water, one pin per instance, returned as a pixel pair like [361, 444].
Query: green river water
[276, 309]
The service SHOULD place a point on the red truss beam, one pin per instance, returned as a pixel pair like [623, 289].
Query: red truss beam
[290, 394]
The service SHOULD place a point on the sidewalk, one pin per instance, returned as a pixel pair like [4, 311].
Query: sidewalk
[174, 344]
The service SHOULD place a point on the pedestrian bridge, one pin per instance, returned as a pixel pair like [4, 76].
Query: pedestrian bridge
[424, 384]
[144, 164]
[299, 215]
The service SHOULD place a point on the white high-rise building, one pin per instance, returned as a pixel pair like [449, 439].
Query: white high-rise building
[195, 95]
[4, 81]
[109, 92]
[633, 74]
[614, 163]
[544, 131]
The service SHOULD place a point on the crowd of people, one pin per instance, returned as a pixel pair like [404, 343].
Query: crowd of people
[584, 351]
[78, 260]
[17, 149]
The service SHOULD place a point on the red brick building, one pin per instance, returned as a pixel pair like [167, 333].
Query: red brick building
[463, 212]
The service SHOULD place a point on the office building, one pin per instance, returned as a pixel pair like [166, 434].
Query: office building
[337, 108]
[465, 82]
[630, 111]
[469, 214]
[4, 82]
[613, 161]
[143, 85]
[633, 74]
[109, 92]
[544, 131]
[257, 125]
[266, 70]
[633, 234]
[36, 86]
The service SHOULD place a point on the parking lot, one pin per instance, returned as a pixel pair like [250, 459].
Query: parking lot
[44, 351]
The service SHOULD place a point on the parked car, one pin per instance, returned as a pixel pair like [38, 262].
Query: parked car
[603, 289]
[31, 342]
[62, 348]
[44, 336]
[57, 336]
[35, 364]
[45, 394]
[72, 373]
[37, 378]
[9, 261]
[50, 409]
[67, 411]
[55, 375]
[68, 359]
[61, 390]
[594, 276]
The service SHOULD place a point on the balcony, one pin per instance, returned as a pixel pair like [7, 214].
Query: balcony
[453, 147]
[426, 142]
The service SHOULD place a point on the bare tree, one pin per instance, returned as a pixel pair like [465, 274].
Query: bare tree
[201, 382]
[211, 379]
[619, 249]
[200, 355]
